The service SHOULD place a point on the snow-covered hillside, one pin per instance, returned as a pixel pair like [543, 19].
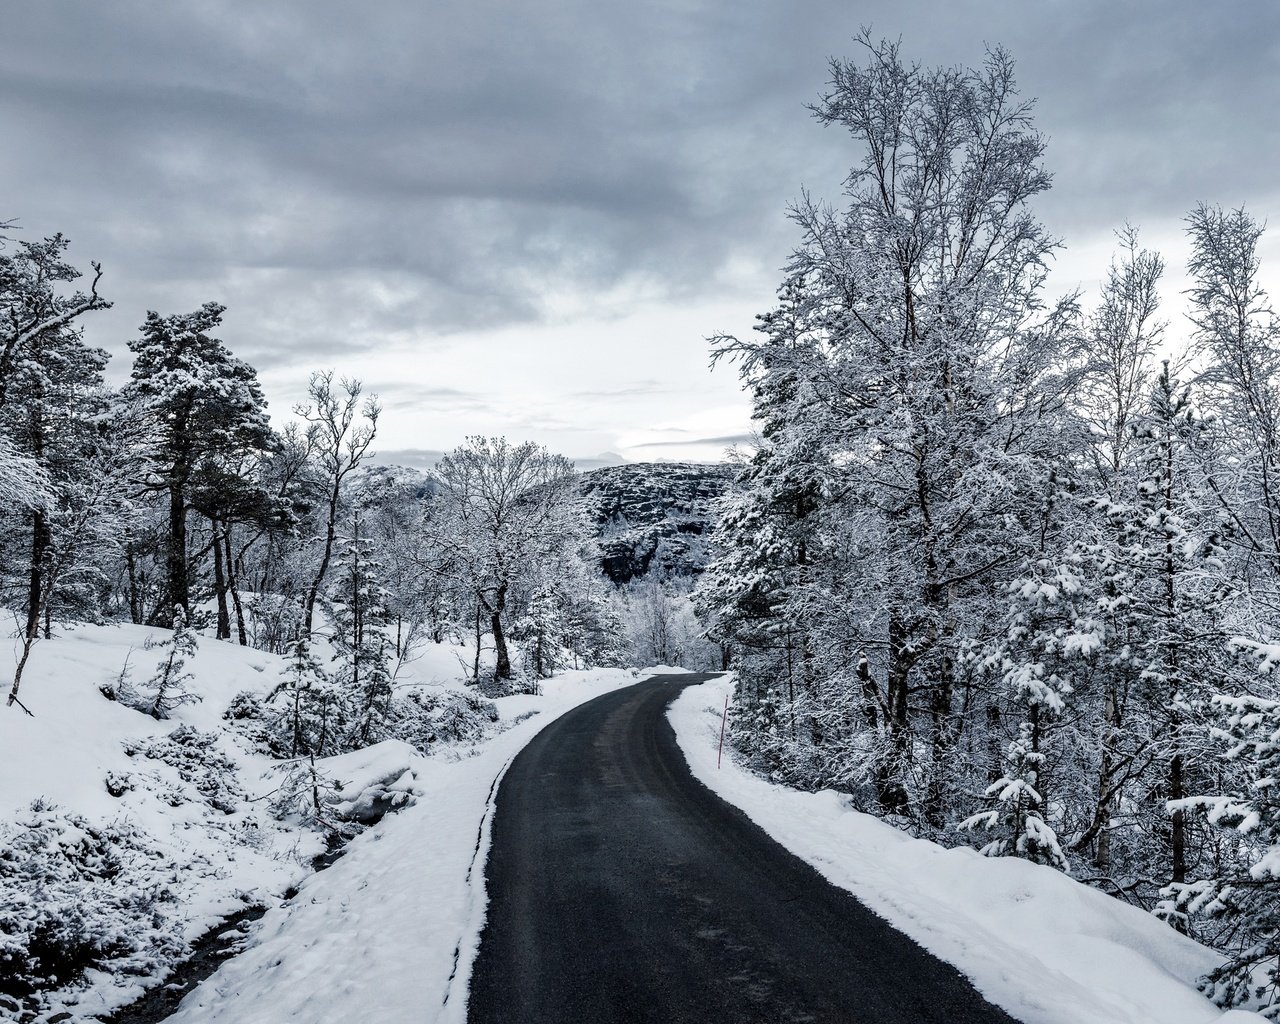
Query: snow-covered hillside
[123, 839]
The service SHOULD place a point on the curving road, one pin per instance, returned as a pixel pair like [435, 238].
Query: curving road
[622, 890]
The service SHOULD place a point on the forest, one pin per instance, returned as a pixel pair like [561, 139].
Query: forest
[174, 501]
[1004, 563]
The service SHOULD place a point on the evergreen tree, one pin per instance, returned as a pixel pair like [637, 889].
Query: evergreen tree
[310, 706]
[362, 650]
[32, 304]
[199, 402]
[542, 631]
[1019, 816]
[1244, 893]
[167, 685]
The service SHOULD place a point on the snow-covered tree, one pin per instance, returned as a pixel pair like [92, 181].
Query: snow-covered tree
[357, 606]
[308, 705]
[542, 632]
[340, 429]
[1018, 818]
[34, 303]
[505, 512]
[1244, 891]
[199, 402]
[167, 690]
[921, 370]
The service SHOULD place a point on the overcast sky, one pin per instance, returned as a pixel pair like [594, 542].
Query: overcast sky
[525, 217]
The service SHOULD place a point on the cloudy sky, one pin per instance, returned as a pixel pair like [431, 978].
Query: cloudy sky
[525, 217]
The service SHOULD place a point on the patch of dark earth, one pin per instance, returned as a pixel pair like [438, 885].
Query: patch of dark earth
[623, 891]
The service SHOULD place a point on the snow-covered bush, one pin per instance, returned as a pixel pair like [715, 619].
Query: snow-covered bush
[75, 895]
[347, 792]
[805, 742]
[308, 793]
[427, 717]
[207, 773]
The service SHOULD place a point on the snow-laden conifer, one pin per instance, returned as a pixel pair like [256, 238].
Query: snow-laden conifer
[167, 690]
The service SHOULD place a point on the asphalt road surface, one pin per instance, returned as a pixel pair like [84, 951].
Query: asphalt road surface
[622, 890]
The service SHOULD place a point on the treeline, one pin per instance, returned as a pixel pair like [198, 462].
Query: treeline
[174, 501]
[1006, 567]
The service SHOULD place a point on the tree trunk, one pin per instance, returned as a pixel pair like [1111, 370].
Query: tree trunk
[41, 539]
[1177, 792]
[894, 798]
[176, 555]
[313, 594]
[1178, 840]
[502, 667]
[944, 739]
[137, 610]
[241, 634]
[220, 586]
[1100, 827]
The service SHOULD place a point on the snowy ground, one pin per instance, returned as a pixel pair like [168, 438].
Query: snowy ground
[1045, 948]
[222, 853]
[389, 932]
[78, 740]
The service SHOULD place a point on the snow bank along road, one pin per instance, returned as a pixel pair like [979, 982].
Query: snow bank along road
[622, 890]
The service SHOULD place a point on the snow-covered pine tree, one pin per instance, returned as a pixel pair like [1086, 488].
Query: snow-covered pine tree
[309, 706]
[1183, 592]
[1125, 333]
[593, 629]
[1018, 818]
[1244, 892]
[357, 606]
[33, 300]
[542, 631]
[166, 689]
[52, 402]
[199, 402]
[1152, 596]
[1035, 662]
[769, 538]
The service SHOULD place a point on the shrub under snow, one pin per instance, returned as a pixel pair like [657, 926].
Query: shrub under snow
[75, 895]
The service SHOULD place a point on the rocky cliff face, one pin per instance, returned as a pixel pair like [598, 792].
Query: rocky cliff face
[653, 516]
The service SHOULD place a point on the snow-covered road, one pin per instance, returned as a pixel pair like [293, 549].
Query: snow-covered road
[390, 932]
[623, 892]
[387, 934]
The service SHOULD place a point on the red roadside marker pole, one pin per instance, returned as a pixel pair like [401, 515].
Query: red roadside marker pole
[723, 719]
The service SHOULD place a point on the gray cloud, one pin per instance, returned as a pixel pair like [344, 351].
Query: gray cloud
[345, 177]
[726, 440]
[412, 458]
